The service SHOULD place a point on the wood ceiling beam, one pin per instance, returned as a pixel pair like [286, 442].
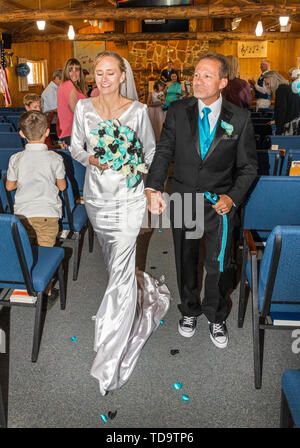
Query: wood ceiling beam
[177, 12]
[210, 36]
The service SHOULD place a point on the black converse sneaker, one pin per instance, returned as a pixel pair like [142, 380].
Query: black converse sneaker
[187, 326]
[219, 334]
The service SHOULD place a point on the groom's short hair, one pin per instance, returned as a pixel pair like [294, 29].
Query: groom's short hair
[224, 66]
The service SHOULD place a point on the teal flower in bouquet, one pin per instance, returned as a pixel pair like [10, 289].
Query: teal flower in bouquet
[119, 147]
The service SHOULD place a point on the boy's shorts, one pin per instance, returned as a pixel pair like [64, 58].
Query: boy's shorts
[41, 231]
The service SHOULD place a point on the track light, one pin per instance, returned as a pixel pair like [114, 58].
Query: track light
[41, 24]
[259, 29]
[71, 32]
[283, 21]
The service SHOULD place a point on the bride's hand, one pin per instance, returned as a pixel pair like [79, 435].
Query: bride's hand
[95, 161]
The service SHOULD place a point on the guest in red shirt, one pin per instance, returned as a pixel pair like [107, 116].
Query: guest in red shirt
[237, 90]
[69, 92]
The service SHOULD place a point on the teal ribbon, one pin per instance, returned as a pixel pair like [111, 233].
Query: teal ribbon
[213, 198]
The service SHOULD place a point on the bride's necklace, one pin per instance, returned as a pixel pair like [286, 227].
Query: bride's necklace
[113, 113]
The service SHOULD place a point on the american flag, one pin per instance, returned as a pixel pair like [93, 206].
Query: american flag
[3, 79]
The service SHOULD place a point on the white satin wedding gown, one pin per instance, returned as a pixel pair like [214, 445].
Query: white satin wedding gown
[134, 302]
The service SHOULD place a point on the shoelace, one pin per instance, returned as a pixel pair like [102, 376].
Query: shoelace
[218, 328]
[188, 321]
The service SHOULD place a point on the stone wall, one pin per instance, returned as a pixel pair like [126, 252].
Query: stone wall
[147, 58]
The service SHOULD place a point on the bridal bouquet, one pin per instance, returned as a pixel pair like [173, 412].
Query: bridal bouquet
[119, 147]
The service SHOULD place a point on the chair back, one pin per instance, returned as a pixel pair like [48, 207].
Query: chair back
[284, 281]
[75, 172]
[269, 162]
[285, 141]
[6, 127]
[290, 156]
[5, 155]
[14, 119]
[7, 197]
[68, 206]
[10, 140]
[272, 201]
[16, 259]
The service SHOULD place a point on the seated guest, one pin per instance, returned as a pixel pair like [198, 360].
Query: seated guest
[155, 103]
[32, 101]
[287, 104]
[173, 92]
[167, 72]
[237, 90]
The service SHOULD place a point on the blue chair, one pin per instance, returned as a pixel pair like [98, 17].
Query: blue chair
[5, 155]
[11, 140]
[285, 141]
[28, 268]
[290, 399]
[14, 119]
[75, 172]
[275, 285]
[6, 197]
[75, 220]
[269, 162]
[6, 127]
[272, 201]
[290, 156]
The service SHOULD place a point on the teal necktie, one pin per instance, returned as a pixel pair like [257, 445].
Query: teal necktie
[205, 123]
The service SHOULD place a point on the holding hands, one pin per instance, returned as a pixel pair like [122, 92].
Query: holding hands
[156, 204]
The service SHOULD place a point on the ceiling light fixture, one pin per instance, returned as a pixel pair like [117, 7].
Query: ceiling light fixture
[41, 24]
[259, 29]
[283, 21]
[71, 32]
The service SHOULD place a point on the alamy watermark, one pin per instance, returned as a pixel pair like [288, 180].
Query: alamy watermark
[296, 342]
[187, 212]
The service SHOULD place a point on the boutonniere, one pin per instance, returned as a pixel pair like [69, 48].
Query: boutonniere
[228, 127]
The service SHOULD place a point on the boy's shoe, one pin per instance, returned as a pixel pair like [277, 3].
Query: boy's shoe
[187, 326]
[219, 334]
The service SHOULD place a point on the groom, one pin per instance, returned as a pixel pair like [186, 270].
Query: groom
[212, 144]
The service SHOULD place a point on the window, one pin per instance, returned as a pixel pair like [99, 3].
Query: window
[36, 74]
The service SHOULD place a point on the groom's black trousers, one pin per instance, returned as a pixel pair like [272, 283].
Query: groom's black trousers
[214, 305]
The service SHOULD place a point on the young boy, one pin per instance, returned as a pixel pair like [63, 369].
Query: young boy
[32, 101]
[37, 174]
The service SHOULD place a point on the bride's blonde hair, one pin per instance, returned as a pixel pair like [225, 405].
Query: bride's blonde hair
[111, 54]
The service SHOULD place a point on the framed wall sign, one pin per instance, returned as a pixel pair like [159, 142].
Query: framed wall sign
[86, 52]
[253, 49]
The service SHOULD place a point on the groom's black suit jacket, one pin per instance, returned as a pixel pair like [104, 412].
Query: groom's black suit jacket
[229, 166]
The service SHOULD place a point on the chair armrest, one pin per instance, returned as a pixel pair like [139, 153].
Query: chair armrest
[250, 242]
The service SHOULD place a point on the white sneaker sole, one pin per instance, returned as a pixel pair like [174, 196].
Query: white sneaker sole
[219, 344]
[186, 334]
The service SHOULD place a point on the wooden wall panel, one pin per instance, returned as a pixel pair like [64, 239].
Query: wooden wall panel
[56, 53]
[282, 55]
[60, 52]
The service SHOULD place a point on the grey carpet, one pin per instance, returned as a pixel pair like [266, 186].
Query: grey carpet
[58, 391]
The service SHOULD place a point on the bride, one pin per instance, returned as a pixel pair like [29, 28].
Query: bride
[133, 303]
